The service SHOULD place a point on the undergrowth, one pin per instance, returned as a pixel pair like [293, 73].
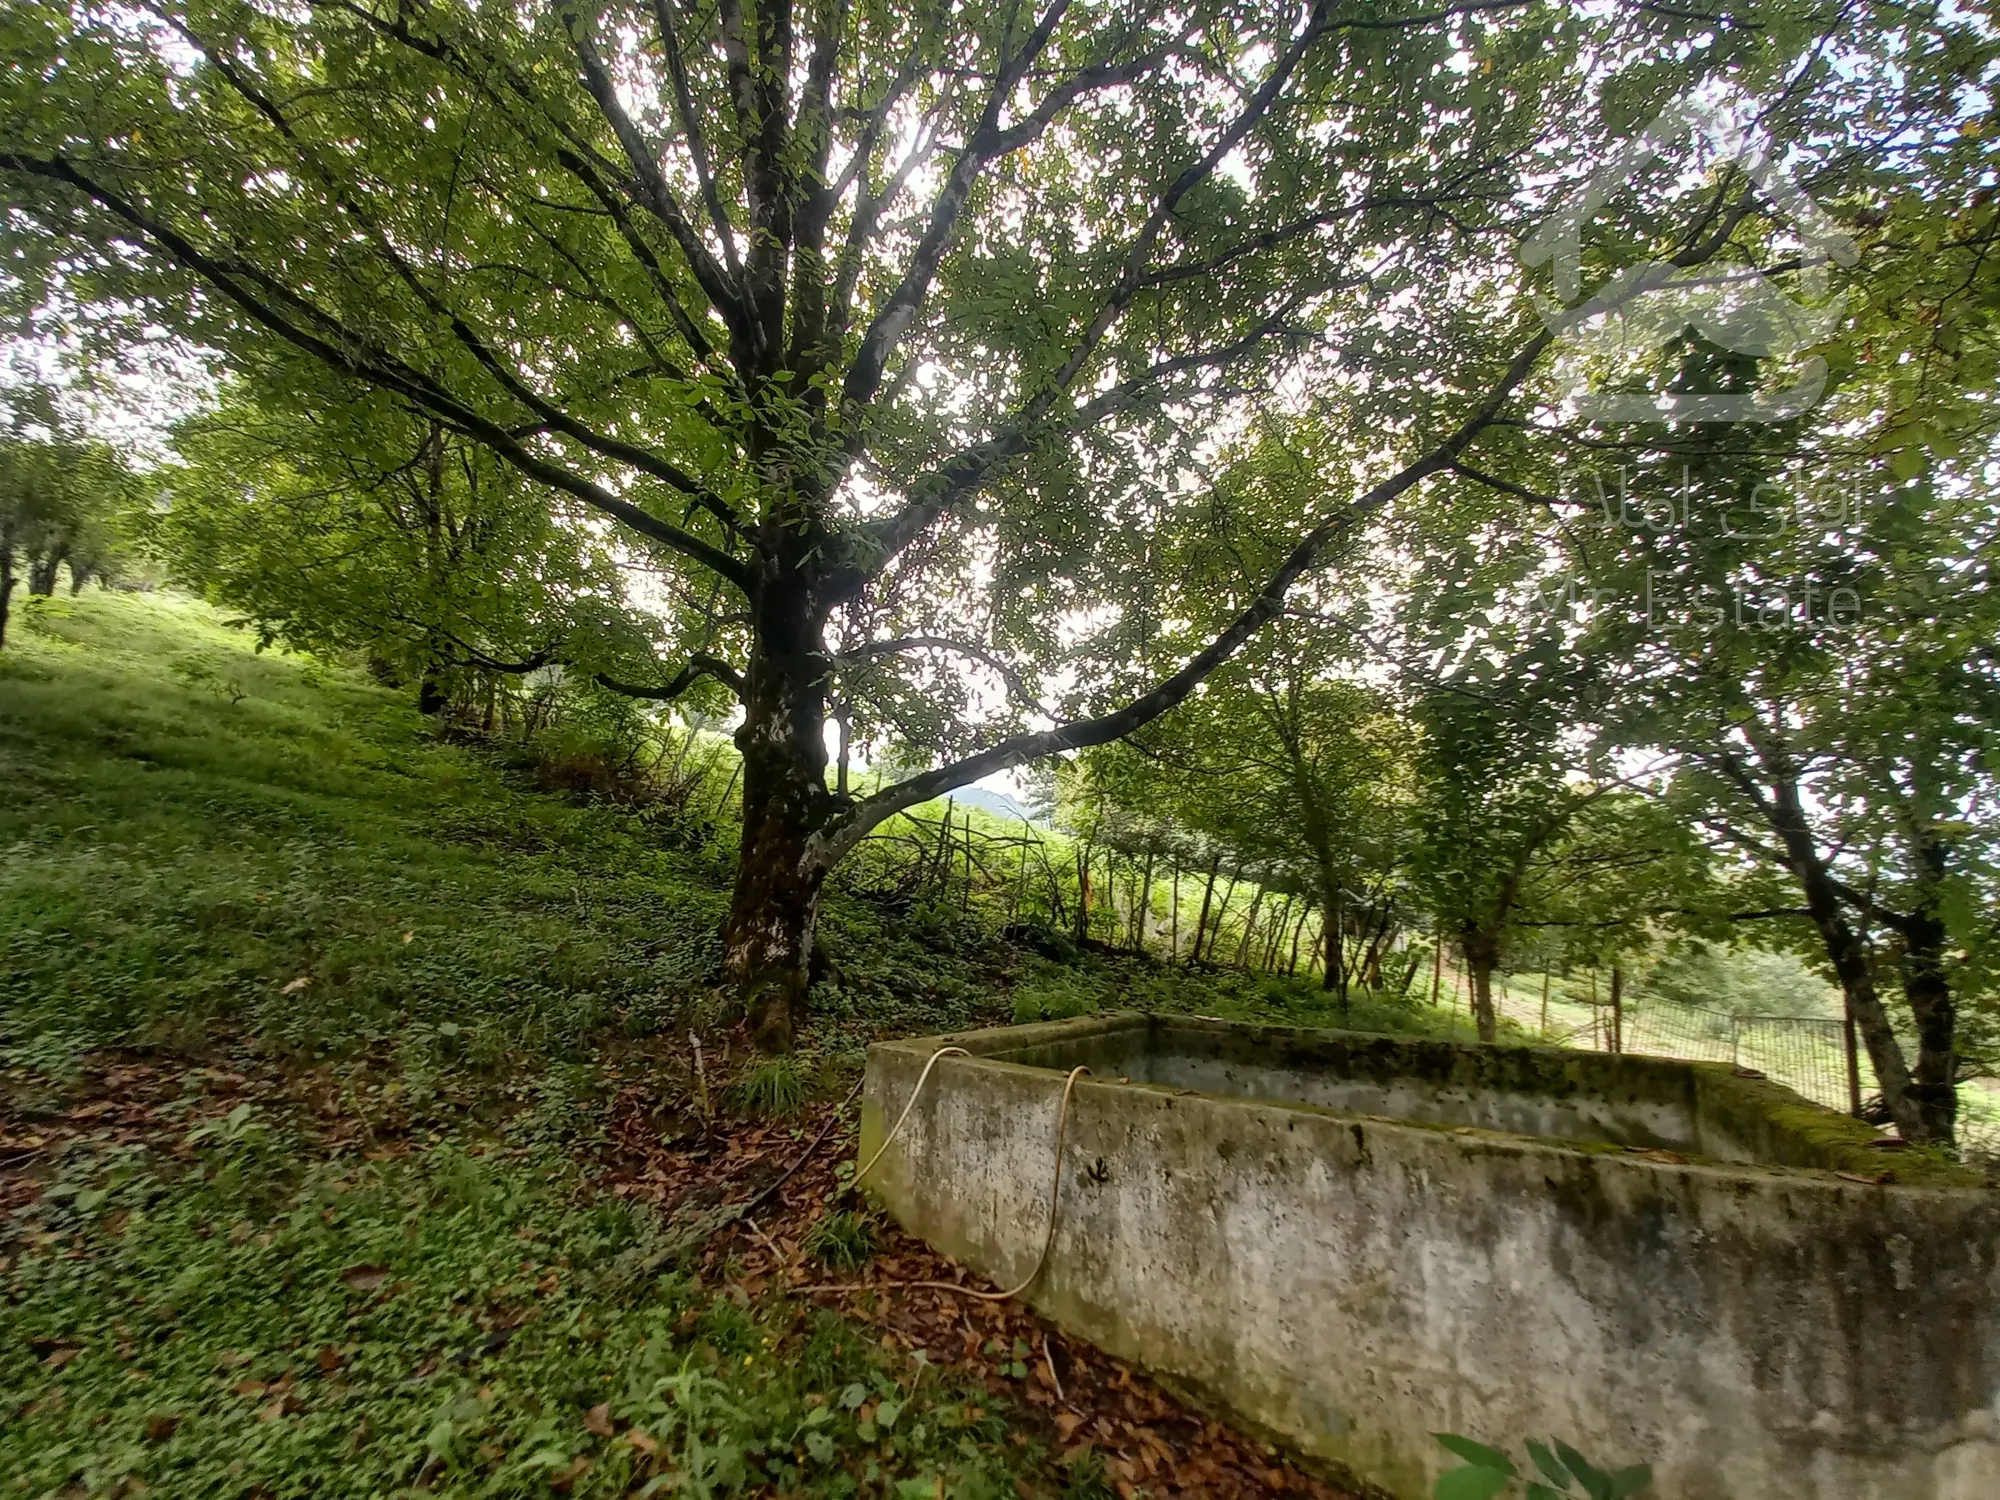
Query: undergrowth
[215, 859]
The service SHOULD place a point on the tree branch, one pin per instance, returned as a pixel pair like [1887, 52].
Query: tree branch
[833, 842]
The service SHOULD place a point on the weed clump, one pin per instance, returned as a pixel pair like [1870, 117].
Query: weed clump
[773, 1089]
[840, 1240]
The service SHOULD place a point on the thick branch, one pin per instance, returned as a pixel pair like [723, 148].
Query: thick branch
[699, 665]
[840, 836]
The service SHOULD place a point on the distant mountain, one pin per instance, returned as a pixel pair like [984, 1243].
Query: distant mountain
[986, 800]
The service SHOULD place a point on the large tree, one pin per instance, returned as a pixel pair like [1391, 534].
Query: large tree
[856, 302]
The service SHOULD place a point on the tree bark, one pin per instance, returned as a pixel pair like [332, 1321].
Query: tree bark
[1482, 957]
[1933, 1086]
[767, 938]
[1784, 814]
[1249, 930]
[6, 583]
[1207, 898]
[42, 572]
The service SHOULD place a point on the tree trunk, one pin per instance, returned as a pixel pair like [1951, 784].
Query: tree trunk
[1336, 943]
[843, 719]
[1207, 898]
[1145, 906]
[1482, 957]
[1849, 957]
[1222, 913]
[42, 572]
[1617, 1008]
[1249, 930]
[431, 697]
[767, 938]
[1933, 1086]
[6, 583]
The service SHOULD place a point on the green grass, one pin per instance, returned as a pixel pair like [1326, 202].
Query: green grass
[391, 1274]
[441, 1324]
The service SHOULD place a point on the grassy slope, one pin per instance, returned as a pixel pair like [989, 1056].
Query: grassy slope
[361, 999]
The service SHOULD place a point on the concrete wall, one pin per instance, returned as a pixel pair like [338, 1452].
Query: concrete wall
[1353, 1284]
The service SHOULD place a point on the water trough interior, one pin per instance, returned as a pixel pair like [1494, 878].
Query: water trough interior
[1700, 1109]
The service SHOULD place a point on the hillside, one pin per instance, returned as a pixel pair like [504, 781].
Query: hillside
[281, 969]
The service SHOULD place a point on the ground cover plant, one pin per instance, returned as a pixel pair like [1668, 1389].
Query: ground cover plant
[352, 1135]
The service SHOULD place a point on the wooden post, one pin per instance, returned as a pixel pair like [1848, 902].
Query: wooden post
[1853, 1068]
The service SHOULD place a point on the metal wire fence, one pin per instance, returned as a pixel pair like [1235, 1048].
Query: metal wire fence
[1807, 1054]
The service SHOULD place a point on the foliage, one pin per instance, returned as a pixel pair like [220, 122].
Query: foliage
[840, 1239]
[449, 1315]
[1199, 294]
[1559, 1471]
[67, 500]
[773, 1088]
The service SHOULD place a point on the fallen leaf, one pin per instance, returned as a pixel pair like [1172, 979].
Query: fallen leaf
[296, 985]
[409, 937]
[248, 1388]
[643, 1440]
[329, 1360]
[60, 1357]
[272, 1412]
[160, 1426]
[1067, 1423]
[365, 1278]
[597, 1421]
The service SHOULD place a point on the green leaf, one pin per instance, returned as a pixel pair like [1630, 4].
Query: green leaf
[1549, 1464]
[1631, 1481]
[1596, 1483]
[854, 1395]
[1471, 1483]
[1476, 1453]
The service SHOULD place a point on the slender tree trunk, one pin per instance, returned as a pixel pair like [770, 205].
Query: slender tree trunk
[1249, 930]
[1201, 922]
[1145, 906]
[1221, 913]
[843, 719]
[1174, 916]
[1298, 932]
[6, 583]
[79, 575]
[1336, 943]
[1848, 955]
[1617, 1008]
[1437, 966]
[1545, 1000]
